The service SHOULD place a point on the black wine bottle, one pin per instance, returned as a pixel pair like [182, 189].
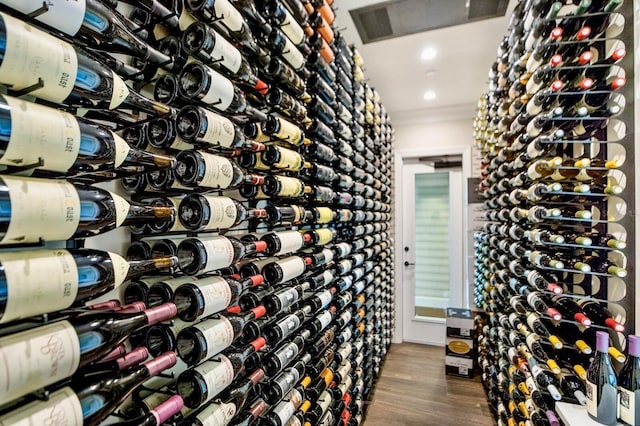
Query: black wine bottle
[202, 169]
[602, 384]
[198, 212]
[200, 255]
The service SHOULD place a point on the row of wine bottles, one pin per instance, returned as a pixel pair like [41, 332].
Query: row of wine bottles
[550, 264]
[258, 283]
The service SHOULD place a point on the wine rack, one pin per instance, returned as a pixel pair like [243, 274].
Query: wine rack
[556, 130]
[241, 146]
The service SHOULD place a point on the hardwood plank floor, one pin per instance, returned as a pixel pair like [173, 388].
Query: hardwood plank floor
[413, 390]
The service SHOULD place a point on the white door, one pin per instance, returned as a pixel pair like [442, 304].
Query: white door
[432, 246]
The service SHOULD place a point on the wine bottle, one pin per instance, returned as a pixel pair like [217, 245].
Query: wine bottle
[198, 82]
[602, 384]
[284, 242]
[206, 254]
[198, 213]
[230, 402]
[206, 129]
[282, 74]
[211, 336]
[55, 351]
[204, 382]
[202, 42]
[284, 186]
[285, 269]
[158, 415]
[573, 386]
[285, 325]
[78, 80]
[283, 158]
[599, 314]
[201, 169]
[285, 297]
[629, 384]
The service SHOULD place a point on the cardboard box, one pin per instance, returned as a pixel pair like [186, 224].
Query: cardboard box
[460, 323]
[463, 348]
[460, 367]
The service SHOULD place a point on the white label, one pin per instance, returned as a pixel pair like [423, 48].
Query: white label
[216, 294]
[63, 15]
[218, 171]
[41, 209]
[38, 357]
[225, 52]
[592, 398]
[120, 91]
[327, 277]
[121, 149]
[222, 212]
[31, 54]
[220, 130]
[288, 296]
[287, 353]
[628, 413]
[220, 93]
[120, 268]
[63, 408]
[289, 187]
[122, 208]
[291, 28]
[284, 411]
[292, 55]
[291, 323]
[218, 334]
[229, 15]
[217, 374]
[38, 282]
[291, 267]
[328, 255]
[324, 319]
[325, 297]
[219, 253]
[41, 132]
[216, 414]
[290, 241]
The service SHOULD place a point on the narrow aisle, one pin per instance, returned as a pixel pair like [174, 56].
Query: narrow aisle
[414, 391]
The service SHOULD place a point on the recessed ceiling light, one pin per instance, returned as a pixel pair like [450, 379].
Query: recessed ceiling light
[428, 54]
[429, 95]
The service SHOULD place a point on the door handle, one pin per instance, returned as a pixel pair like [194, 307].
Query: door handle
[409, 263]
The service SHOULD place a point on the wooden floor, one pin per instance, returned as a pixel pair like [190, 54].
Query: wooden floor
[412, 390]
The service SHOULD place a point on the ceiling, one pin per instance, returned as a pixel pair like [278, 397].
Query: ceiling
[458, 74]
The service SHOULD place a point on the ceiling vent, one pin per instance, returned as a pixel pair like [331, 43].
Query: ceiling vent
[397, 18]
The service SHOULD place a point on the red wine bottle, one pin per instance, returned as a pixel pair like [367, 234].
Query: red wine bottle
[602, 395]
[158, 415]
[206, 254]
[198, 213]
[55, 351]
[629, 384]
[201, 169]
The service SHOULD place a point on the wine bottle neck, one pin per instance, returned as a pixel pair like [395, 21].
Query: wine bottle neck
[140, 212]
[142, 267]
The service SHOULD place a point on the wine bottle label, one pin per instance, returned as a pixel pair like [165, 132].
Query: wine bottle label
[289, 159]
[290, 241]
[38, 282]
[289, 187]
[218, 334]
[291, 267]
[228, 14]
[62, 408]
[52, 135]
[327, 277]
[120, 268]
[324, 401]
[286, 380]
[325, 215]
[217, 374]
[38, 357]
[325, 297]
[629, 401]
[64, 16]
[41, 209]
[291, 133]
[292, 55]
[218, 172]
[121, 206]
[292, 29]
[287, 297]
[284, 411]
[219, 253]
[324, 319]
[222, 212]
[120, 91]
[226, 53]
[220, 130]
[287, 353]
[220, 93]
[121, 150]
[324, 236]
[217, 414]
[31, 54]
[215, 293]
[288, 325]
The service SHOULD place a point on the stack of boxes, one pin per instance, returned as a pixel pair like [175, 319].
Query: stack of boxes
[460, 346]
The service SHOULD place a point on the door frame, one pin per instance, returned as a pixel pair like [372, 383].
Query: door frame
[401, 157]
